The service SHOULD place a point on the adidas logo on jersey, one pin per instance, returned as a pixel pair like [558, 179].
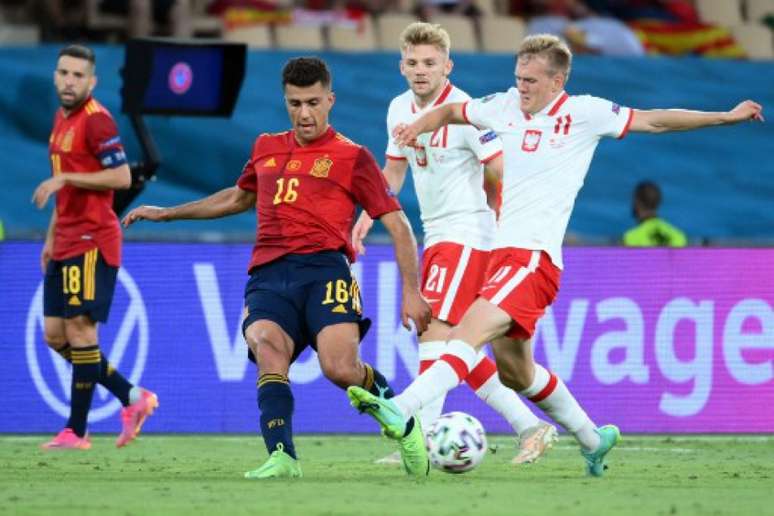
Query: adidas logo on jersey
[339, 309]
[270, 163]
[74, 301]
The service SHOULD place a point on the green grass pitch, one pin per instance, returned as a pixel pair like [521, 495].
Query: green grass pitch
[202, 475]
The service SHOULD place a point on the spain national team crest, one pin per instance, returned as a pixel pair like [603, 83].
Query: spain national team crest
[321, 167]
[531, 140]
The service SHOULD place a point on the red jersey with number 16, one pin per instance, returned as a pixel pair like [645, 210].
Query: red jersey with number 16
[306, 194]
[85, 141]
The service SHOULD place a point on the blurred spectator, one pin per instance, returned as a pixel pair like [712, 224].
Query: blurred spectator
[601, 35]
[172, 16]
[427, 9]
[682, 11]
[61, 20]
[583, 29]
[651, 231]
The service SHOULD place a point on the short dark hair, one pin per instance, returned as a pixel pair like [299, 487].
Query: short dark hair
[80, 52]
[306, 71]
[648, 194]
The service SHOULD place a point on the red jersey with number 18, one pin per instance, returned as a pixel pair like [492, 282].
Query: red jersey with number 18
[86, 141]
[306, 194]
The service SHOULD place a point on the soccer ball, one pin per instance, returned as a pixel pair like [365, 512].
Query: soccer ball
[456, 442]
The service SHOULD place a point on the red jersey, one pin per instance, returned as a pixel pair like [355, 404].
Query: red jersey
[306, 194]
[86, 140]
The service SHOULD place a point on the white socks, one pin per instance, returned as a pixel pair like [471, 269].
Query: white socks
[444, 375]
[551, 394]
[486, 384]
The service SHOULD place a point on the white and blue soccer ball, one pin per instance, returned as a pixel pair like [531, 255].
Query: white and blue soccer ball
[456, 442]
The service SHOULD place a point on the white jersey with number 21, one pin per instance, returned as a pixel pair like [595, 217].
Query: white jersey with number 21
[447, 169]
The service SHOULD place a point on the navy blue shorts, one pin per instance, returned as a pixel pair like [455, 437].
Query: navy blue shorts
[304, 293]
[81, 285]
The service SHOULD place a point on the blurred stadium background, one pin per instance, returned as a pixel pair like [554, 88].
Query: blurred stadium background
[656, 340]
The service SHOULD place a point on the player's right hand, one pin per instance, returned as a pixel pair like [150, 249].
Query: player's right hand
[152, 213]
[417, 310]
[360, 230]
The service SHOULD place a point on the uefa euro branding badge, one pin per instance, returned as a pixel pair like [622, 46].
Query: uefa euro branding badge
[321, 167]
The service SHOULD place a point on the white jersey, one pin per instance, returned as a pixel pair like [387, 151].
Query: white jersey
[448, 174]
[547, 156]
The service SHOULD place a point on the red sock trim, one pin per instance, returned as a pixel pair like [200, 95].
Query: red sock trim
[481, 373]
[553, 381]
[424, 365]
[456, 363]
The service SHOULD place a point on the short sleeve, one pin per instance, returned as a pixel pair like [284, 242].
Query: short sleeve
[247, 179]
[370, 188]
[103, 140]
[483, 112]
[484, 143]
[606, 117]
[393, 151]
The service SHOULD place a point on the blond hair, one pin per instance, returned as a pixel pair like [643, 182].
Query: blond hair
[554, 50]
[421, 33]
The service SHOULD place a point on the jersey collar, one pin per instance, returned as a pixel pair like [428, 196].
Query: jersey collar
[323, 138]
[438, 101]
[76, 110]
[553, 107]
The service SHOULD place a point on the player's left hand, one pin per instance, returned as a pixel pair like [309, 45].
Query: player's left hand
[46, 189]
[416, 309]
[747, 110]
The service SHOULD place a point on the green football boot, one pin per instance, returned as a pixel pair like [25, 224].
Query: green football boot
[412, 446]
[609, 436]
[383, 410]
[278, 465]
[413, 452]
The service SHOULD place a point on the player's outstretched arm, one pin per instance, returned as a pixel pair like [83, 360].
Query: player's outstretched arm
[117, 178]
[664, 120]
[220, 204]
[395, 173]
[414, 306]
[442, 115]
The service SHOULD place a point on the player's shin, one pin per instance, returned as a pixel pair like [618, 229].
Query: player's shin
[86, 371]
[485, 382]
[550, 393]
[444, 375]
[429, 353]
[115, 382]
[109, 377]
[275, 401]
[375, 383]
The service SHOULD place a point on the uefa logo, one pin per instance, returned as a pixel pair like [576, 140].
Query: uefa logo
[180, 78]
[123, 340]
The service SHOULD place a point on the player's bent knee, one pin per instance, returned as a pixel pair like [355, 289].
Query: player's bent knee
[271, 347]
[80, 331]
[55, 340]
